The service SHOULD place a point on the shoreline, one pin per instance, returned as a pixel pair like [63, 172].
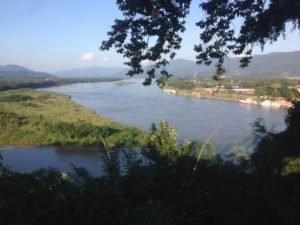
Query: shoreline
[38, 118]
[278, 103]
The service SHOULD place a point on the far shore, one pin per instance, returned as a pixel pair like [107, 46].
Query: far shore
[238, 98]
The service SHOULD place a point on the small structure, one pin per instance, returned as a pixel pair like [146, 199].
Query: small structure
[244, 90]
[211, 90]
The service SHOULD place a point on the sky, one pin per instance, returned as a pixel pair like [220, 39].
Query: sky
[54, 35]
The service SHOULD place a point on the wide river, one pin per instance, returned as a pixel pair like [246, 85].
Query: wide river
[141, 106]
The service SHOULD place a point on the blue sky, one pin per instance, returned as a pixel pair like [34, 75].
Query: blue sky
[52, 35]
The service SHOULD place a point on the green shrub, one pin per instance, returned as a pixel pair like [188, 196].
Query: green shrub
[15, 98]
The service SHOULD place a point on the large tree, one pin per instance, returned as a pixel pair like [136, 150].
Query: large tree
[150, 30]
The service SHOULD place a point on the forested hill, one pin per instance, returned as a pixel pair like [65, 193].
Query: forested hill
[273, 64]
[270, 65]
[14, 72]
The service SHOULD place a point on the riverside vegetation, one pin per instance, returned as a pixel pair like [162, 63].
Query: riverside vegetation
[265, 89]
[11, 84]
[29, 117]
[174, 184]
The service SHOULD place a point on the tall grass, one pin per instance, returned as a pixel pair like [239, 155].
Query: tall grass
[30, 117]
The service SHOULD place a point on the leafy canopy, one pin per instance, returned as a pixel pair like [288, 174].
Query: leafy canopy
[150, 31]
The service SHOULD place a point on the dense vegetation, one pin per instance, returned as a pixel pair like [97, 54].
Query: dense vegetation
[169, 186]
[41, 83]
[273, 88]
[30, 117]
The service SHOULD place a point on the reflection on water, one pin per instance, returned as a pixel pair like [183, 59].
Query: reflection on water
[195, 119]
[28, 159]
[63, 158]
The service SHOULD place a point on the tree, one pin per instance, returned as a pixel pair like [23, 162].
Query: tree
[163, 145]
[150, 30]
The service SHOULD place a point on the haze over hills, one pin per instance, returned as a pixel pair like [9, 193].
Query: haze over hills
[269, 65]
[14, 72]
[93, 72]
[273, 64]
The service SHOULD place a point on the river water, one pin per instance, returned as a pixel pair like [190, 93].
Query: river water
[141, 106]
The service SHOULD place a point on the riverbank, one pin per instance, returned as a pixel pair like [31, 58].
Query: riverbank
[233, 97]
[6, 85]
[29, 117]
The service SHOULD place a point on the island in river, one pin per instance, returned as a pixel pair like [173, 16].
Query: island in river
[29, 117]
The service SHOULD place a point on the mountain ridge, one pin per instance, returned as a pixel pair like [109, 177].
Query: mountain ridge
[15, 72]
[275, 64]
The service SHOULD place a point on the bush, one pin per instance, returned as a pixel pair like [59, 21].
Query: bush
[15, 98]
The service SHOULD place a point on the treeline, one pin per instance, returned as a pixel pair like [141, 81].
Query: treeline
[41, 83]
[264, 87]
[18, 84]
[167, 185]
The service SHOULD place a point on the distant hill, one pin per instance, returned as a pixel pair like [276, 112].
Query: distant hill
[93, 72]
[14, 72]
[269, 65]
[273, 64]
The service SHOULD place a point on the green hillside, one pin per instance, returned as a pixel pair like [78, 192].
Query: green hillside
[14, 72]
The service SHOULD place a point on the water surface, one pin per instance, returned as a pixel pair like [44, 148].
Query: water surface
[194, 118]
[141, 106]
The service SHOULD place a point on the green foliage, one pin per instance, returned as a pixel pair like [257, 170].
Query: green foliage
[180, 84]
[15, 98]
[269, 88]
[41, 83]
[150, 30]
[291, 166]
[163, 144]
[135, 190]
[262, 21]
[145, 20]
[36, 118]
[274, 150]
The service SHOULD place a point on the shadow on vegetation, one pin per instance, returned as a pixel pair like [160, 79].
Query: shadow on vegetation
[167, 186]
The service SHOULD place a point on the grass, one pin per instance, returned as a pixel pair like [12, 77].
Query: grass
[29, 117]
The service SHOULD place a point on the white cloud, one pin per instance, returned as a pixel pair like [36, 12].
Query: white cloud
[105, 59]
[88, 56]
[146, 62]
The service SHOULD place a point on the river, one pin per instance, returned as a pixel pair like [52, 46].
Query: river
[140, 106]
